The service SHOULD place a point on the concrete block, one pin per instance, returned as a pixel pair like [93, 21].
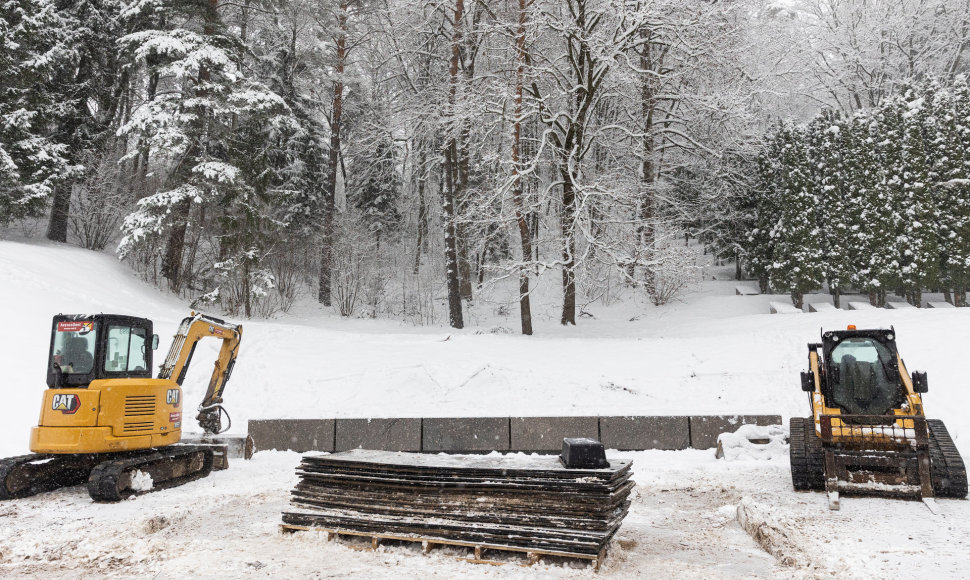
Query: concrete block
[632, 433]
[292, 434]
[465, 434]
[859, 305]
[782, 308]
[745, 291]
[939, 304]
[704, 429]
[383, 434]
[821, 307]
[547, 433]
[899, 306]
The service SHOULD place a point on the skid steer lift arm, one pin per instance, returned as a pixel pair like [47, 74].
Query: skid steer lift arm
[190, 332]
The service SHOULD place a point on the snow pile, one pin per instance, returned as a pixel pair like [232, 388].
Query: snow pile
[754, 442]
[141, 481]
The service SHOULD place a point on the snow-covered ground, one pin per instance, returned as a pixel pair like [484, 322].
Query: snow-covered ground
[712, 353]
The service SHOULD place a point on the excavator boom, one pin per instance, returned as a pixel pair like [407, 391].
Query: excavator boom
[193, 329]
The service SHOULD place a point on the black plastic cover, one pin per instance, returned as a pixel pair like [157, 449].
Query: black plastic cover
[583, 453]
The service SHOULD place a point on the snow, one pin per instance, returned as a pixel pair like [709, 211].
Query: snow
[755, 442]
[713, 353]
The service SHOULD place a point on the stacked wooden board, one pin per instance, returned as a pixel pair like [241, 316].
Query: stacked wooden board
[524, 503]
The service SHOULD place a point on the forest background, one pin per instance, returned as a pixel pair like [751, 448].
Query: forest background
[405, 159]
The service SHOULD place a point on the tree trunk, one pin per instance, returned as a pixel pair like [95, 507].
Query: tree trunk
[175, 246]
[568, 248]
[330, 195]
[525, 236]
[451, 169]
[60, 209]
[422, 210]
[646, 233]
[451, 242]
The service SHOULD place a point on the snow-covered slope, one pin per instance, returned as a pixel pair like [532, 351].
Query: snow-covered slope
[713, 353]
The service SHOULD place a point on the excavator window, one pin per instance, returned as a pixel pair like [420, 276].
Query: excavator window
[865, 382]
[74, 346]
[126, 349]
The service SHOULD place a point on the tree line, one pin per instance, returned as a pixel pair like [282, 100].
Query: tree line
[407, 158]
[876, 202]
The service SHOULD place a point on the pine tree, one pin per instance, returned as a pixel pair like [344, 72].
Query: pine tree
[828, 140]
[762, 208]
[376, 187]
[216, 135]
[33, 162]
[798, 265]
[949, 174]
[918, 248]
[91, 91]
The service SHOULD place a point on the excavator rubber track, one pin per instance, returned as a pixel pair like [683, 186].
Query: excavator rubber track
[27, 475]
[947, 471]
[119, 478]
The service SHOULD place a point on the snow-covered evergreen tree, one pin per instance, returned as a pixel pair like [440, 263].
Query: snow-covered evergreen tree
[949, 172]
[762, 209]
[918, 248]
[33, 46]
[213, 132]
[798, 266]
[828, 139]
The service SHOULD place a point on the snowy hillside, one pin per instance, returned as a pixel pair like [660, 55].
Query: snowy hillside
[714, 353]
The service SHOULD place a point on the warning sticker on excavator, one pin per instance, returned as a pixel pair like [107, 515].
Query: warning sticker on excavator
[173, 417]
[67, 404]
[75, 326]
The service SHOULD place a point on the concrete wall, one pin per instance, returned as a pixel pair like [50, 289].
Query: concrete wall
[478, 434]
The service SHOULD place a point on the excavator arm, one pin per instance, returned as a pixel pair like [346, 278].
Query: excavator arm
[193, 329]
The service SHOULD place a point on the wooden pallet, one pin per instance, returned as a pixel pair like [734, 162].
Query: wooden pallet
[533, 555]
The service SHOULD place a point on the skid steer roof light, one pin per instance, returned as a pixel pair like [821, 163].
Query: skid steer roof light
[850, 327]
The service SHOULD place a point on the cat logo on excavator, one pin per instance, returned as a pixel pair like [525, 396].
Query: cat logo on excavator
[67, 404]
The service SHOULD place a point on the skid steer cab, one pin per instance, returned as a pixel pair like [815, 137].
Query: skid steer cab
[868, 434]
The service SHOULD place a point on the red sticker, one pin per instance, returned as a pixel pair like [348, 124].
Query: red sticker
[75, 326]
[173, 417]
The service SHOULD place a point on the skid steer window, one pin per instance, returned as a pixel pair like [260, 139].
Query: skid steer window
[866, 383]
[125, 351]
[74, 347]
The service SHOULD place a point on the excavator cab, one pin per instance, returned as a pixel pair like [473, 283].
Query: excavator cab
[86, 348]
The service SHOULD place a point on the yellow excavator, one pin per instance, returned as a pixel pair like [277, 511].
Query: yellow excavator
[105, 420]
[868, 434]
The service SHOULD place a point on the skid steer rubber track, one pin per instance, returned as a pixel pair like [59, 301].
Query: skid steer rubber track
[806, 456]
[117, 479]
[27, 475]
[947, 471]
